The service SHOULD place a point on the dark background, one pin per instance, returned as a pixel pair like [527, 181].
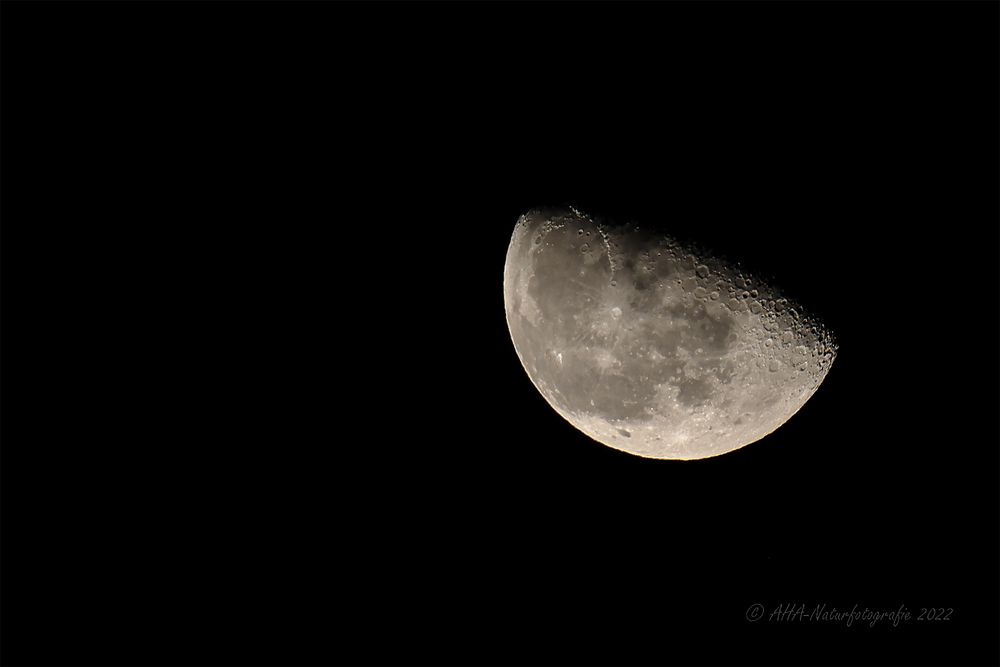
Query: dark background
[260, 404]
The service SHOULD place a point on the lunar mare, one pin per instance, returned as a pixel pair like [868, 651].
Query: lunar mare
[650, 347]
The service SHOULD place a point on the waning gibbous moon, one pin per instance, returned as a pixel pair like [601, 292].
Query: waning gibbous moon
[650, 347]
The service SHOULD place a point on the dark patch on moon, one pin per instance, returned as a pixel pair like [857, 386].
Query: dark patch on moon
[712, 330]
[694, 392]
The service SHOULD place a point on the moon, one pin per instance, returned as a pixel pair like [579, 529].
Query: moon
[653, 348]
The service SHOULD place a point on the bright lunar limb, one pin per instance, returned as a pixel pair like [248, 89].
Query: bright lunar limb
[650, 347]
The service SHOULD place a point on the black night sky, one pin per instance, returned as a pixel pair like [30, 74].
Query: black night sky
[260, 403]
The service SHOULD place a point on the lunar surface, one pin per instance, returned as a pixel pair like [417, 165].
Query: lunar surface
[652, 348]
